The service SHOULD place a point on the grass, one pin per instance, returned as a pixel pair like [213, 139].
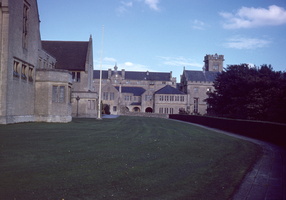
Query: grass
[123, 158]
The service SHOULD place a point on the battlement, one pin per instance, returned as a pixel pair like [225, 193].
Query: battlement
[214, 62]
[214, 57]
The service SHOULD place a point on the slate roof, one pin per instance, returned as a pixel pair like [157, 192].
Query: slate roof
[136, 91]
[169, 90]
[70, 55]
[132, 75]
[201, 76]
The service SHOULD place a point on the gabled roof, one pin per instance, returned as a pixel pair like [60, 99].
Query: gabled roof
[69, 55]
[136, 91]
[132, 75]
[200, 76]
[169, 90]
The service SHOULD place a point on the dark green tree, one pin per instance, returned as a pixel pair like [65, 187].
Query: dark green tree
[245, 92]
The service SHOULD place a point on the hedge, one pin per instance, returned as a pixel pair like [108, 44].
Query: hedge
[270, 132]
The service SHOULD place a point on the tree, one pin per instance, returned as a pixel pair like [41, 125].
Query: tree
[249, 93]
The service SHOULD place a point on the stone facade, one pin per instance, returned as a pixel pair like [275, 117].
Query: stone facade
[53, 81]
[129, 91]
[77, 58]
[196, 84]
[35, 85]
[20, 44]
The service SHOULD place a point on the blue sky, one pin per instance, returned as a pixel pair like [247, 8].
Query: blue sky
[168, 35]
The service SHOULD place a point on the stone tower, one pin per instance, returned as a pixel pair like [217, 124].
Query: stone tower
[214, 63]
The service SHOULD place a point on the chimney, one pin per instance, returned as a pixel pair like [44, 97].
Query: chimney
[109, 73]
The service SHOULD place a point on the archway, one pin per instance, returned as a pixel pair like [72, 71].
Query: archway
[148, 110]
[136, 109]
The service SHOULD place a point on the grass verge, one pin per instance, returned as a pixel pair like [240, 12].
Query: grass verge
[123, 158]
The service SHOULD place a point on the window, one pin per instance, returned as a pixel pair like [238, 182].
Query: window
[182, 98]
[73, 76]
[114, 108]
[160, 110]
[171, 98]
[62, 94]
[166, 98]
[58, 95]
[149, 98]
[23, 71]
[25, 26]
[127, 98]
[196, 89]
[196, 105]
[171, 110]
[55, 93]
[16, 70]
[69, 94]
[215, 67]
[111, 96]
[30, 74]
[105, 95]
[166, 110]
[76, 76]
[91, 104]
[177, 98]
[161, 98]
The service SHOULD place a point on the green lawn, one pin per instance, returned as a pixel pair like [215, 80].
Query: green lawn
[123, 158]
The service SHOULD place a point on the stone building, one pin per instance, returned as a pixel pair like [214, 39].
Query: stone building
[53, 81]
[169, 100]
[77, 58]
[130, 91]
[36, 83]
[24, 86]
[196, 84]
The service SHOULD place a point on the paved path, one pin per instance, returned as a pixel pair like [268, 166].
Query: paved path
[267, 179]
[110, 116]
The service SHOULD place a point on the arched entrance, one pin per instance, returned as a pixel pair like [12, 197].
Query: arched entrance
[148, 110]
[136, 109]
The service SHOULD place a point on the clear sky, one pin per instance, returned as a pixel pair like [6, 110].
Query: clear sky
[168, 35]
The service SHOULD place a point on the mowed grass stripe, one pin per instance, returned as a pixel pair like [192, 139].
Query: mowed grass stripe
[123, 158]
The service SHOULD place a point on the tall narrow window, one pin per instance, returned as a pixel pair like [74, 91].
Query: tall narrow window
[25, 26]
[23, 72]
[16, 69]
[177, 98]
[111, 97]
[196, 105]
[62, 94]
[73, 76]
[69, 94]
[166, 110]
[30, 74]
[78, 77]
[55, 94]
